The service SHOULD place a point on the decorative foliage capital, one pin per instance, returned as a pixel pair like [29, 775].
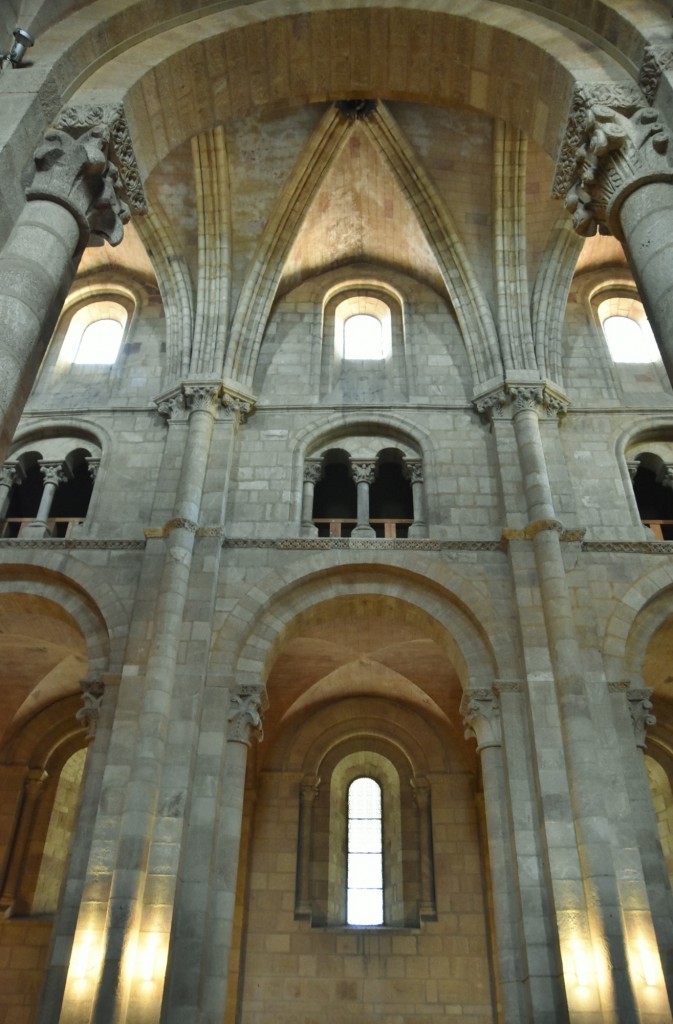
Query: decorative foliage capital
[313, 470]
[614, 143]
[201, 397]
[11, 474]
[122, 153]
[92, 697]
[363, 471]
[53, 473]
[413, 469]
[246, 708]
[76, 173]
[481, 713]
[517, 396]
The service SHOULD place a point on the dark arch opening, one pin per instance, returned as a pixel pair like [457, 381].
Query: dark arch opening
[654, 499]
[335, 495]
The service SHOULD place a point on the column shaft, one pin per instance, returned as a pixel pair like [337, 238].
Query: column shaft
[646, 218]
[37, 266]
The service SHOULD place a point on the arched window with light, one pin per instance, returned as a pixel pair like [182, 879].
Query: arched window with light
[627, 330]
[364, 870]
[95, 334]
[362, 329]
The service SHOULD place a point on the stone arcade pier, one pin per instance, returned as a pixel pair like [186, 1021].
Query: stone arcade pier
[74, 200]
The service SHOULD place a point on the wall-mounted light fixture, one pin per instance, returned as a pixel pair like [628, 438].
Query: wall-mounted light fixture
[22, 41]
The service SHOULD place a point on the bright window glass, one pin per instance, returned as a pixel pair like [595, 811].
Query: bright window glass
[364, 897]
[363, 337]
[627, 330]
[99, 344]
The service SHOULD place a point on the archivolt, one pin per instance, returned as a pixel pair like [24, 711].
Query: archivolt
[476, 639]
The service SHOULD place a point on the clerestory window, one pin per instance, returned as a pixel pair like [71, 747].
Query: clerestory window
[627, 330]
[95, 334]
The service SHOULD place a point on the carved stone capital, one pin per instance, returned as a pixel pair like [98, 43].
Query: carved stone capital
[614, 143]
[93, 465]
[189, 396]
[633, 468]
[656, 60]
[481, 714]
[92, 697]
[518, 396]
[53, 473]
[172, 406]
[236, 406]
[246, 709]
[11, 474]
[201, 397]
[640, 707]
[413, 470]
[313, 470]
[112, 116]
[77, 173]
[363, 471]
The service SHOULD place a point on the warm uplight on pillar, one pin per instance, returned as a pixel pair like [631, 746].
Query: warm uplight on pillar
[86, 959]
[648, 963]
[585, 974]
[150, 960]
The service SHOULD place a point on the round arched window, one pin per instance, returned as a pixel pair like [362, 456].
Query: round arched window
[363, 337]
[627, 330]
[99, 343]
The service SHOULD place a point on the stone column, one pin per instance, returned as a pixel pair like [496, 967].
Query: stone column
[594, 912]
[363, 474]
[245, 719]
[73, 199]
[427, 907]
[54, 474]
[480, 709]
[616, 175]
[149, 817]
[310, 787]
[11, 475]
[33, 789]
[313, 470]
[414, 471]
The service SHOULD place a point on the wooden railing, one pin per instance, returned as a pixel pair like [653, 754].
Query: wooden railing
[661, 528]
[58, 527]
[388, 528]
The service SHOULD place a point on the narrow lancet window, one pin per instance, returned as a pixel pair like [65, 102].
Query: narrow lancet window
[364, 903]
